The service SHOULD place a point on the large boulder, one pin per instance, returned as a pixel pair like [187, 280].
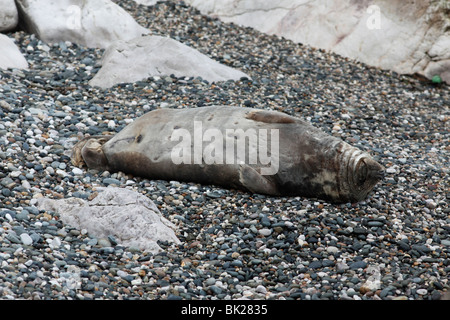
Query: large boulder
[143, 57]
[90, 23]
[9, 17]
[133, 219]
[10, 55]
[405, 36]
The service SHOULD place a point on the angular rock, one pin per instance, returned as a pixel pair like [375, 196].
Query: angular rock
[9, 17]
[143, 57]
[90, 23]
[131, 218]
[405, 37]
[10, 55]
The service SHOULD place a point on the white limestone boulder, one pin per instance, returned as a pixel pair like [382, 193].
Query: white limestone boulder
[143, 57]
[9, 17]
[10, 55]
[133, 219]
[90, 23]
[407, 37]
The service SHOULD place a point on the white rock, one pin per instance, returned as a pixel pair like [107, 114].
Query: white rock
[90, 23]
[261, 289]
[265, 232]
[133, 219]
[55, 243]
[143, 57]
[15, 174]
[111, 124]
[26, 184]
[10, 55]
[391, 170]
[9, 17]
[77, 171]
[26, 239]
[422, 291]
[122, 273]
[407, 37]
[332, 249]
[61, 173]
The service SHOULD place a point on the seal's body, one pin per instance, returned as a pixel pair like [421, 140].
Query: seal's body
[217, 145]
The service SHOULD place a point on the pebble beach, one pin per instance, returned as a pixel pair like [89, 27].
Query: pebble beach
[395, 245]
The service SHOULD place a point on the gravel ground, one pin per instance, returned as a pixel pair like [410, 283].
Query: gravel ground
[235, 245]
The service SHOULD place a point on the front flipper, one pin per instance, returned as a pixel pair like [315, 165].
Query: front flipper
[255, 182]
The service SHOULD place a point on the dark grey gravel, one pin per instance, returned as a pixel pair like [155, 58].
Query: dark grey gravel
[235, 245]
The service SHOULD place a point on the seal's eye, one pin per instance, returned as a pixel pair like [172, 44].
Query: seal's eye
[139, 138]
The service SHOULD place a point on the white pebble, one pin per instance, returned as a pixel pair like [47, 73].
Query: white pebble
[122, 274]
[261, 289]
[111, 124]
[15, 174]
[422, 291]
[391, 170]
[26, 239]
[80, 126]
[61, 173]
[265, 232]
[55, 243]
[332, 249]
[26, 184]
[77, 171]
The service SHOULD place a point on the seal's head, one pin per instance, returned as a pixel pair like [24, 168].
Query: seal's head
[358, 173]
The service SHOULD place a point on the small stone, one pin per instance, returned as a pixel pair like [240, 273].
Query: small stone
[265, 232]
[111, 124]
[103, 242]
[357, 265]
[315, 264]
[55, 243]
[13, 238]
[422, 292]
[215, 289]
[261, 289]
[108, 181]
[77, 171]
[26, 239]
[400, 298]
[332, 250]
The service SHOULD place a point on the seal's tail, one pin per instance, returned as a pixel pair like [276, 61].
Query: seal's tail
[88, 152]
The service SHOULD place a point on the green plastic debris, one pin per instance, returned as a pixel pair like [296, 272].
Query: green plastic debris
[436, 79]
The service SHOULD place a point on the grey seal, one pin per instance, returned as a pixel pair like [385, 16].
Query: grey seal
[254, 150]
